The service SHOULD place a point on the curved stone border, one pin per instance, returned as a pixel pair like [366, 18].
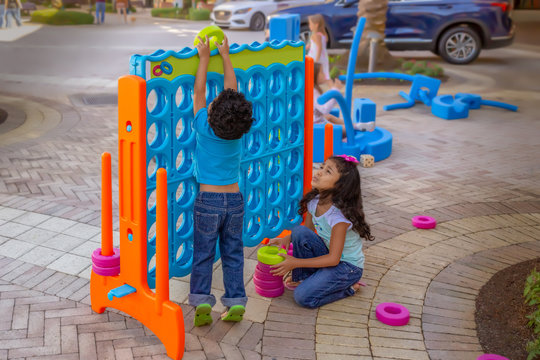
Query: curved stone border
[402, 269]
[450, 301]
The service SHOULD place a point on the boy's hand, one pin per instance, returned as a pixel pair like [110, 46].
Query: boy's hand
[223, 48]
[204, 48]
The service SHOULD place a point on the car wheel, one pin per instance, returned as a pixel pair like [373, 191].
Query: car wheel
[257, 22]
[305, 33]
[459, 45]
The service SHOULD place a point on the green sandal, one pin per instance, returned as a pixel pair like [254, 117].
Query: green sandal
[202, 315]
[235, 313]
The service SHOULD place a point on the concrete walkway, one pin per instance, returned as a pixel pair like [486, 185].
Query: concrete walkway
[478, 177]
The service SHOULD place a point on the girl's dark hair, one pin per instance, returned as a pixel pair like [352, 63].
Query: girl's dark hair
[317, 68]
[346, 196]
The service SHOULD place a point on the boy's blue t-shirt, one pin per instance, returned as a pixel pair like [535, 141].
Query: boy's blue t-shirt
[217, 161]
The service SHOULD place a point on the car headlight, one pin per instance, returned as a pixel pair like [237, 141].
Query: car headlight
[242, 11]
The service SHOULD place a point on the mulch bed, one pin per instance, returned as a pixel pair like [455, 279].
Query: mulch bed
[3, 116]
[500, 312]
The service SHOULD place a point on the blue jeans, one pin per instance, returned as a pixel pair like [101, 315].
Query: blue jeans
[218, 215]
[14, 13]
[100, 12]
[320, 286]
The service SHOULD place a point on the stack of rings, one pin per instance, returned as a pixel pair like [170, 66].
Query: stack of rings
[266, 283]
[106, 265]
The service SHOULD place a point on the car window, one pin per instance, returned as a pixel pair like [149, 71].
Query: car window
[345, 2]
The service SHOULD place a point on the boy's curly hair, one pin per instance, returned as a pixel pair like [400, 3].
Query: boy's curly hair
[230, 115]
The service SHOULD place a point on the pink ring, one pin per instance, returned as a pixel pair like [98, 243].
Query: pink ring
[424, 222]
[491, 357]
[267, 284]
[157, 70]
[270, 292]
[111, 271]
[263, 267]
[392, 314]
[106, 261]
[262, 275]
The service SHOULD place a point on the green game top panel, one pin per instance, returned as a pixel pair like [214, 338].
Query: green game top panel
[170, 64]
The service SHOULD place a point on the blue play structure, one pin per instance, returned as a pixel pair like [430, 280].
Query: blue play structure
[285, 27]
[450, 108]
[377, 143]
[423, 88]
[273, 151]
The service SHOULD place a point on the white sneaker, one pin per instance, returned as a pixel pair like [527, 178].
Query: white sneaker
[369, 126]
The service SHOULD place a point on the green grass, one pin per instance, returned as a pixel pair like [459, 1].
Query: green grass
[531, 293]
[61, 17]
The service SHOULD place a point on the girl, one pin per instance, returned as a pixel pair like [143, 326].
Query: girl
[327, 266]
[321, 113]
[317, 43]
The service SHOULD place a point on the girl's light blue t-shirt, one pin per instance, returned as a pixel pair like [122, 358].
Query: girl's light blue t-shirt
[217, 161]
[352, 250]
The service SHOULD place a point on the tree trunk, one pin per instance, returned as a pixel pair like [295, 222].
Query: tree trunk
[375, 13]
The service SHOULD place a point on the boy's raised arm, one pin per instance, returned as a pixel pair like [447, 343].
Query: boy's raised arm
[229, 81]
[199, 89]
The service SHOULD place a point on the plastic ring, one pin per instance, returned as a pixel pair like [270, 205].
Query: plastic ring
[491, 357]
[424, 222]
[106, 261]
[269, 255]
[392, 314]
[214, 33]
[267, 284]
[265, 275]
[112, 271]
[166, 68]
[157, 70]
[270, 293]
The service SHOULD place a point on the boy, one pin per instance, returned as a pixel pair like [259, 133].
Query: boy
[219, 206]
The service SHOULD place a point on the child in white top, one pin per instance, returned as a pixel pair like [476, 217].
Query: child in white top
[317, 43]
[328, 260]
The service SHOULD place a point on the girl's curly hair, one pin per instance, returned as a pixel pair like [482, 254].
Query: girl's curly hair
[230, 115]
[346, 196]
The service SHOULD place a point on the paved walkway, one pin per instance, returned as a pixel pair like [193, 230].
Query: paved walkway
[478, 176]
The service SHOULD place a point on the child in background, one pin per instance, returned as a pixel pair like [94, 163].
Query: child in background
[219, 206]
[327, 266]
[317, 43]
[321, 113]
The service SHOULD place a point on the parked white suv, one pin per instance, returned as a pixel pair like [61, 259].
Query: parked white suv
[250, 14]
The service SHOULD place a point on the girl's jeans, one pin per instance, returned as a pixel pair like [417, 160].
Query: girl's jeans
[100, 12]
[14, 13]
[320, 286]
[218, 215]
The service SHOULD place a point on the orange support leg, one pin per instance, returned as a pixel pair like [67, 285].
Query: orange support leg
[168, 323]
[328, 141]
[106, 206]
[308, 124]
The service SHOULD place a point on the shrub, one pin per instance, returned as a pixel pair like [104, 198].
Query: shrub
[532, 298]
[170, 13]
[199, 14]
[109, 9]
[335, 72]
[61, 17]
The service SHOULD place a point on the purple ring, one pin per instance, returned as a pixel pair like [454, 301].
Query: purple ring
[106, 261]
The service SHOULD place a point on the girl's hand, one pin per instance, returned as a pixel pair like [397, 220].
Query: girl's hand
[283, 267]
[280, 242]
[338, 84]
[223, 48]
[204, 48]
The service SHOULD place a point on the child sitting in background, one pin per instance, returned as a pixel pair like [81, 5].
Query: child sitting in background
[219, 206]
[321, 113]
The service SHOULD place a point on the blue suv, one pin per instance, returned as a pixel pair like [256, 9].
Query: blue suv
[456, 30]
